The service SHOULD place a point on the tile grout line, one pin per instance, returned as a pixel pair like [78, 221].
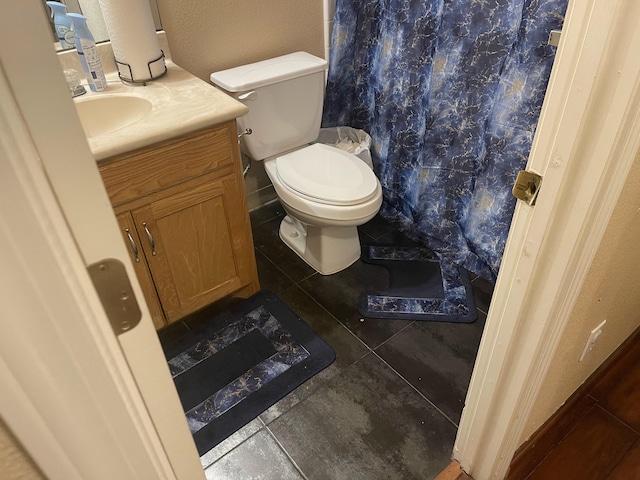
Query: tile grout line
[294, 282]
[236, 446]
[258, 223]
[323, 386]
[284, 450]
[372, 350]
[394, 335]
[333, 316]
[415, 389]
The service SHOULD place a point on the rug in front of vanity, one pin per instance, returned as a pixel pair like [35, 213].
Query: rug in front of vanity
[422, 287]
[233, 367]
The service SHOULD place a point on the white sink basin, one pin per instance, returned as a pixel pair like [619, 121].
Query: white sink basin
[125, 118]
[102, 114]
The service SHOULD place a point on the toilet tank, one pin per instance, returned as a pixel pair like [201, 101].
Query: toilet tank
[284, 95]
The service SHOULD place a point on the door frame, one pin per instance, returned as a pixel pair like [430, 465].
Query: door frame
[587, 139]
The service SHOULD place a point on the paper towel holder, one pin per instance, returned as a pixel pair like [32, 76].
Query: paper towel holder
[142, 82]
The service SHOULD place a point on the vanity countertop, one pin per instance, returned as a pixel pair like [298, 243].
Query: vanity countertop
[182, 103]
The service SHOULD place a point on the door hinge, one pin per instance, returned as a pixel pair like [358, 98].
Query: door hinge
[527, 187]
[110, 280]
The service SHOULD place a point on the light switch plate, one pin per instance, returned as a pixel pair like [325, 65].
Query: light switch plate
[596, 333]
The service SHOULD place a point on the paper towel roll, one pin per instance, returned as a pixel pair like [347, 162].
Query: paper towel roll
[133, 38]
[95, 22]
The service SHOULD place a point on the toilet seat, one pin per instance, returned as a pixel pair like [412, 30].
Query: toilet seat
[327, 175]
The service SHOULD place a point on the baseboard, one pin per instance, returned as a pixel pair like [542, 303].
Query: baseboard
[531, 453]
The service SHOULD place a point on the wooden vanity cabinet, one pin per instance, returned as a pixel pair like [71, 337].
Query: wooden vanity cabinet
[182, 209]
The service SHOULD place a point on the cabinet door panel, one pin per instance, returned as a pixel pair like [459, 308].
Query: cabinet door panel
[197, 246]
[194, 262]
[142, 270]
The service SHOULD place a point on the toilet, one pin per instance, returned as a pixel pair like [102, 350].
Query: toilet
[326, 192]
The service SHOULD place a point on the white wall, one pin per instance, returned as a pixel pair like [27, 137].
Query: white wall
[206, 36]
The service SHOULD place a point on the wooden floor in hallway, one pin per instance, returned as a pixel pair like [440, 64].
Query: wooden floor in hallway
[596, 434]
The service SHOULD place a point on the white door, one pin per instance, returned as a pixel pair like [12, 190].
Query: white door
[106, 404]
[586, 141]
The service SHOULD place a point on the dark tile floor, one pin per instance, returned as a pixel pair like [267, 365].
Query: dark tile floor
[387, 408]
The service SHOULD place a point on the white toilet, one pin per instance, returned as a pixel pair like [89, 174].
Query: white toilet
[326, 192]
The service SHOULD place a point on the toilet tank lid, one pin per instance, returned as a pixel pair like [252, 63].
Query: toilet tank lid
[266, 72]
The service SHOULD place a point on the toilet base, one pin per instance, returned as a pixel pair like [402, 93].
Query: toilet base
[327, 250]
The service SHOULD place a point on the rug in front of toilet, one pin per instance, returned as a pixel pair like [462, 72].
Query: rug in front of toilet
[237, 364]
[421, 287]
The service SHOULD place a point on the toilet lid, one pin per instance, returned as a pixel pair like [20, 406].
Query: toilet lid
[327, 175]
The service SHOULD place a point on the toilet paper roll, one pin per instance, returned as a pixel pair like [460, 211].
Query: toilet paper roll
[133, 38]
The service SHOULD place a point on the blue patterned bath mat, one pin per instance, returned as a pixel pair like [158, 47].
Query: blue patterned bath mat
[422, 287]
[239, 363]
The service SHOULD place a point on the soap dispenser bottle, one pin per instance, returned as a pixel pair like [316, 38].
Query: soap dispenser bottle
[86, 46]
[62, 24]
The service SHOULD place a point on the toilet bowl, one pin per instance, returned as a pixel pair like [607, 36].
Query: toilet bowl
[327, 193]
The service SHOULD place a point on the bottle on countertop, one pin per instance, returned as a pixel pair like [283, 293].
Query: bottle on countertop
[86, 47]
[62, 24]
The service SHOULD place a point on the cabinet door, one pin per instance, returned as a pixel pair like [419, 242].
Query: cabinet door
[195, 242]
[134, 246]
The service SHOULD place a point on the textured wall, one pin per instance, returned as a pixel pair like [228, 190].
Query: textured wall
[205, 36]
[15, 463]
[612, 292]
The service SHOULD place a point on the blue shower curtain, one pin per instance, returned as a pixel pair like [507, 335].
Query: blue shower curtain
[450, 91]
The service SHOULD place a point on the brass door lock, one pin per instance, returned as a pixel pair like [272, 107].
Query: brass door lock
[527, 187]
